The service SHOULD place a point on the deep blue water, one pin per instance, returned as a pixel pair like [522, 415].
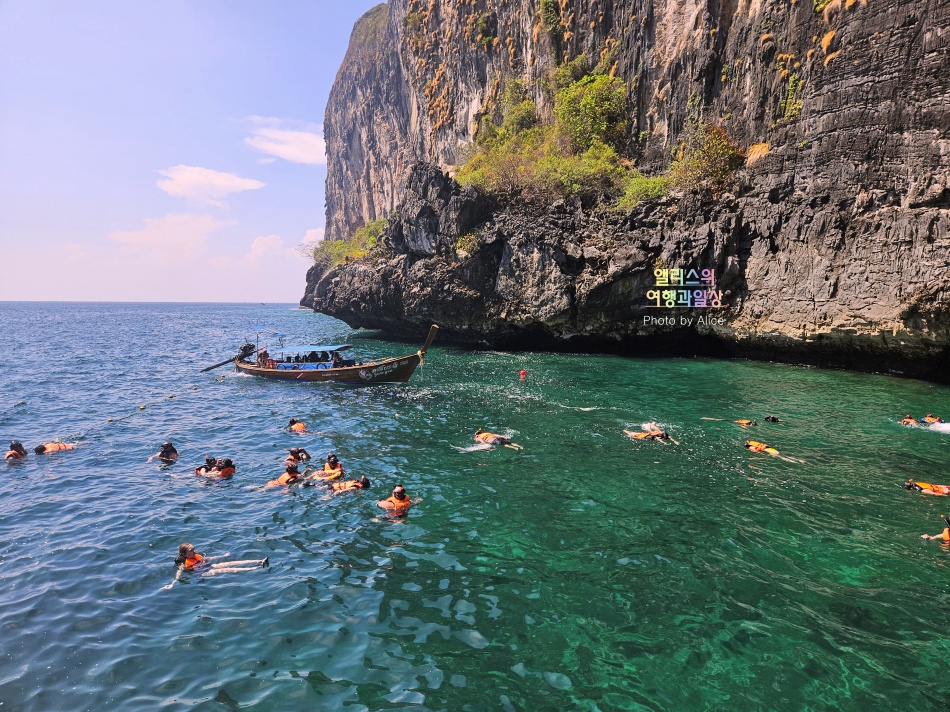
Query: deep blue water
[585, 572]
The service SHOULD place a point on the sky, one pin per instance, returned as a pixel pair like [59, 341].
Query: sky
[167, 151]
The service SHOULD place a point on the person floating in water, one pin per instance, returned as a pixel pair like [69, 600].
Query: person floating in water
[350, 485]
[332, 469]
[746, 423]
[53, 447]
[291, 475]
[399, 502]
[297, 454]
[651, 431]
[944, 535]
[926, 488]
[208, 467]
[486, 438]
[929, 419]
[190, 560]
[168, 454]
[772, 419]
[755, 446]
[16, 451]
[907, 420]
[223, 469]
[297, 426]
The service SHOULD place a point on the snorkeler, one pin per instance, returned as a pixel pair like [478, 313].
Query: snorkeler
[651, 431]
[53, 447]
[168, 454]
[772, 419]
[399, 502]
[755, 446]
[290, 476]
[16, 451]
[190, 560]
[297, 426]
[350, 485]
[492, 439]
[205, 469]
[931, 419]
[907, 420]
[332, 469]
[297, 454]
[926, 488]
[944, 535]
[746, 423]
[223, 469]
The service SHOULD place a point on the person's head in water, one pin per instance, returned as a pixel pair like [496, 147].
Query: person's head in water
[17, 447]
[364, 482]
[295, 452]
[39, 449]
[185, 551]
[399, 492]
[166, 446]
[210, 461]
[293, 421]
[228, 462]
[292, 469]
[771, 419]
[910, 484]
[479, 431]
[332, 459]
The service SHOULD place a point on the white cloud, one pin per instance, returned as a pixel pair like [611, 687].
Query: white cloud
[173, 236]
[203, 185]
[291, 140]
[314, 236]
[263, 248]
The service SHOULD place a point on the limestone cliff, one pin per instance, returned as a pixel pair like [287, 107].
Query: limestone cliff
[833, 245]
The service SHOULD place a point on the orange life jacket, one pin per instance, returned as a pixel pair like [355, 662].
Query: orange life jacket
[907, 421]
[485, 438]
[640, 436]
[298, 427]
[191, 563]
[226, 472]
[348, 485]
[53, 447]
[946, 534]
[12, 455]
[399, 503]
[287, 478]
[931, 419]
[756, 446]
[744, 422]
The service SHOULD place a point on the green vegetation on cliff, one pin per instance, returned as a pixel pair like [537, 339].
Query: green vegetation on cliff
[579, 153]
[361, 243]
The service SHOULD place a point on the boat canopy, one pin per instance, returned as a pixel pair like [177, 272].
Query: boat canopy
[307, 348]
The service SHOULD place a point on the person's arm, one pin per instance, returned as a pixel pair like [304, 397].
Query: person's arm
[178, 574]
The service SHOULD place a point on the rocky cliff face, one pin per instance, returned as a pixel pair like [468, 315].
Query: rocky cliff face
[833, 246]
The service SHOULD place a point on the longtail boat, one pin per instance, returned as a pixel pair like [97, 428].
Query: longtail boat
[317, 363]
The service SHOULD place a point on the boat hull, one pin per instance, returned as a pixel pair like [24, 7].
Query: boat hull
[391, 370]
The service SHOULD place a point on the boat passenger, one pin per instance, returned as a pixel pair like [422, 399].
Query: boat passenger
[944, 535]
[263, 357]
[350, 485]
[16, 451]
[772, 419]
[336, 360]
[399, 502]
[53, 447]
[190, 560]
[907, 420]
[290, 476]
[746, 423]
[487, 438]
[206, 468]
[297, 426]
[929, 419]
[926, 488]
[312, 357]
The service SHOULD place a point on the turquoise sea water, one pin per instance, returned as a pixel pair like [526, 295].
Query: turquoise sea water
[585, 572]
